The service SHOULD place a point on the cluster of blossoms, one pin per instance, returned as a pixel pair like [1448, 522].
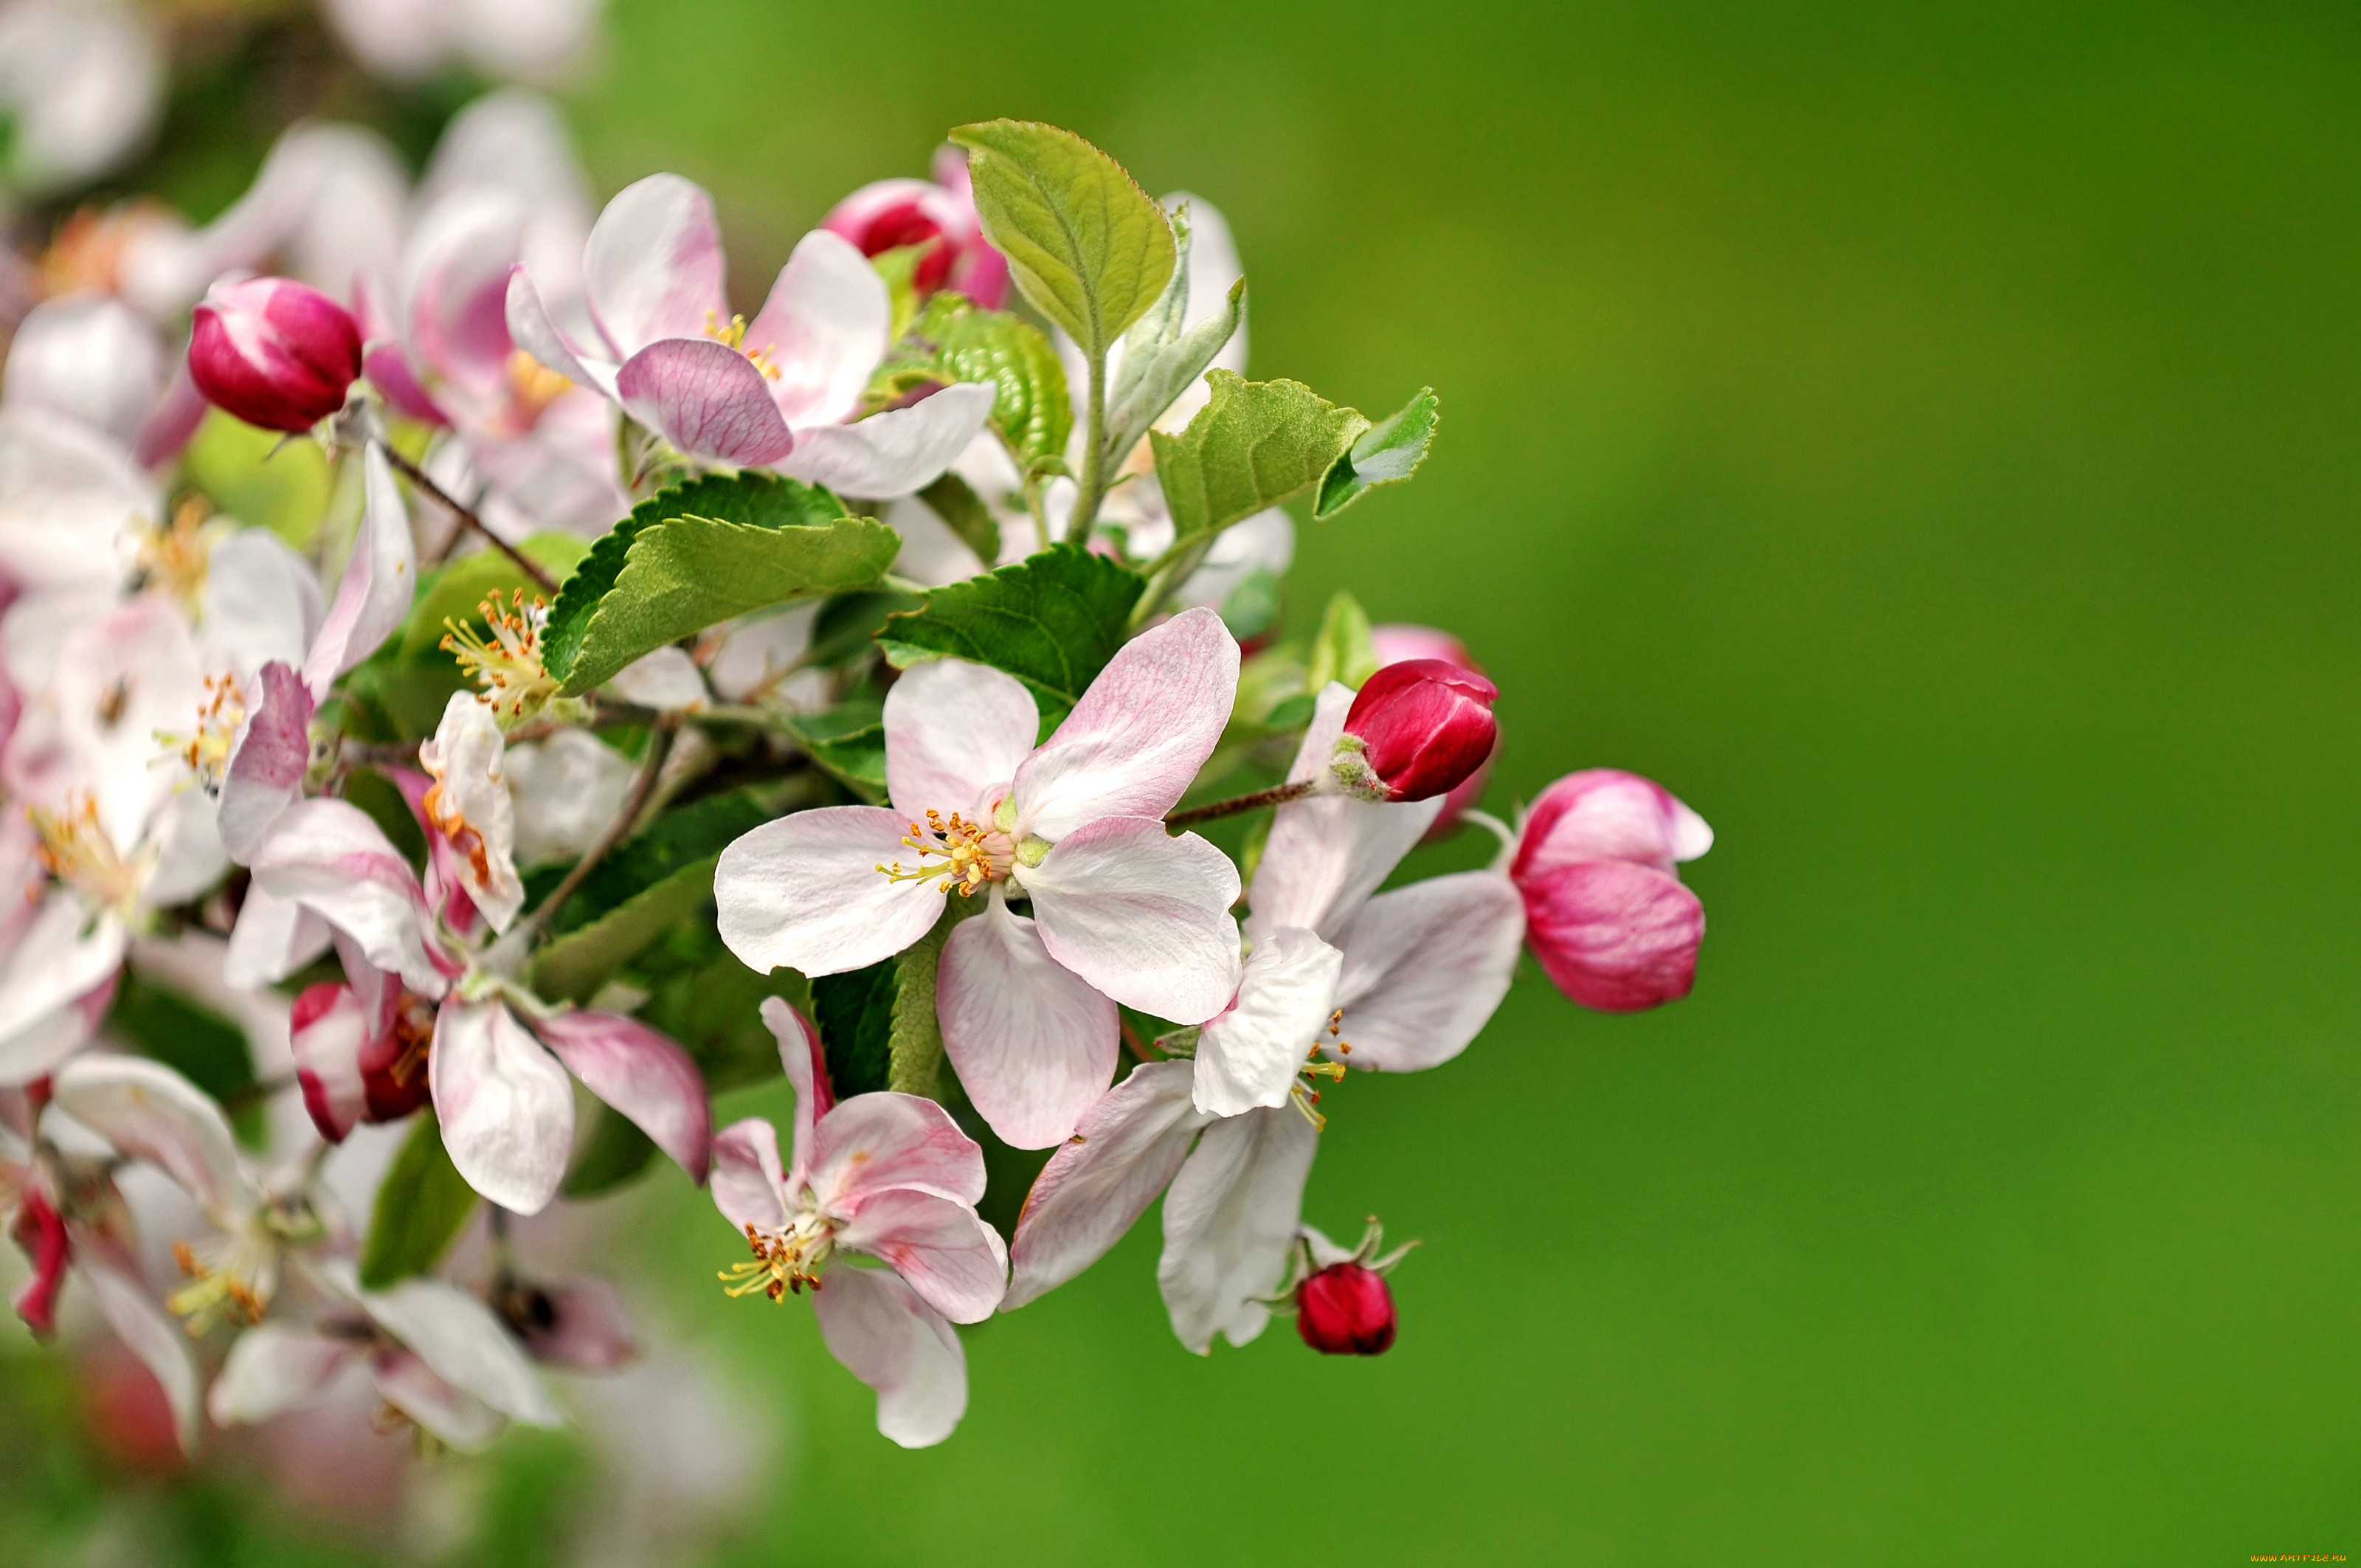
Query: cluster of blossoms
[657, 701]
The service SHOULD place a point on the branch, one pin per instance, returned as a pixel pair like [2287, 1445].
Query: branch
[1277, 795]
[435, 492]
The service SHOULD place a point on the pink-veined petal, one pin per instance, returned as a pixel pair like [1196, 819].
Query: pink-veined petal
[640, 1073]
[455, 290]
[1142, 916]
[268, 760]
[747, 1182]
[145, 1329]
[273, 938]
[1613, 934]
[654, 266]
[530, 329]
[272, 1370]
[65, 955]
[470, 809]
[873, 1142]
[456, 1418]
[1424, 967]
[954, 730]
[883, 1333]
[1606, 814]
[1032, 1043]
[1139, 734]
[946, 1253]
[804, 893]
[1124, 1152]
[707, 398]
[379, 580]
[823, 330]
[891, 454]
[1228, 1223]
[326, 855]
[806, 1066]
[506, 1107]
[150, 1112]
[1249, 1055]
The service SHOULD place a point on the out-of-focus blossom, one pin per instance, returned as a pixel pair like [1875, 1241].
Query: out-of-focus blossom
[89, 357]
[1122, 908]
[522, 40]
[274, 352]
[775, 392]
[1604, 912]
[82, 82]
[1416, 729]
[885, 1176]
[940, 213]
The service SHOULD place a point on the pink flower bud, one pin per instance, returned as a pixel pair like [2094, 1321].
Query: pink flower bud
[1345, 1310]
[1605, 914]
[1397, 644]
[274, 352]
[43, 1233]
[1416, 729]
[357, 1063]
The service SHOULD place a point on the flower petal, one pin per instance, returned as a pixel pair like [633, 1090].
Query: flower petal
[641, 1074]
[654, 266]
[150, 1112]
[806, 1066]
[1124, 1152]
[1613, 934]
[891, 454]
[885, 1334]
[1032, 1043]
[874, 1142]
[1142, 916]
[326, 855]
[262, 603]
[747, 1181]
[1228, 1223]
[145, 1330]
[506, 1107]
[1606, 814]
[567, 790]
[954, 730]
[1136, 740]
[804, 893]
[707, 398]
[374, 595]
[268, 759]
[952, 1258]
[666, 680]
[272, 1370]
[530, 329]
[464, 1343]
[1424, 967]
[587, 1329]
[329, 1029]
[823, 329]
[470, 808]
[71, 502]
[455, 1417]
[1249, 1055]
[273, 938]
[65, 955]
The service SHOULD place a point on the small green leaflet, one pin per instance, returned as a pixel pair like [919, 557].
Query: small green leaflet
[1052, 620]
[1159, 360]
[420, 1207]
[1388, 453]
[953, 341]
[849, 741]
[573, 967]
[700, 554]
[1343, 650]
[1254, 444]
[1086, 245]
[964, 513]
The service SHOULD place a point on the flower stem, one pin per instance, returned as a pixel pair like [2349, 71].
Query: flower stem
[1277, 795]
[436, 493]
[1093, 480]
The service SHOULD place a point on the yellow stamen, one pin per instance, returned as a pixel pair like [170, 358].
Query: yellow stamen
[507, 664]
[971, 853]
[206, 749]
[78, 852]
[783, 1261]
[532, 387]
[734, 337]
[175, 555]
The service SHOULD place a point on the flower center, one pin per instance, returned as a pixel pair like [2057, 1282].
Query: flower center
[532, 387]
[175, 555]
[1302, 1095]
[230, 1281]
[79, 853]
[956, 855]
[506, 664]
[206, 749]
[734, 337]
[783, 1260]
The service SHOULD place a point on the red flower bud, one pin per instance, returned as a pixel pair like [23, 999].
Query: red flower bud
[1415, 730]
[358, 1064]
[274, 352]
[1345, 1310]
[43, 1233]
[1398, 644]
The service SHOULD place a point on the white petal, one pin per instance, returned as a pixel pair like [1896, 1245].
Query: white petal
[757, 651]
[1032, 1043]
[379, 580]
[747, 1182]
[1142, 916]
[803, 1062]
[148, 1332]
[148, 1112]
[326, 855]
[1124, 1152]
[890, 454]
[274, 937]
[653, 265]
[454, 1416]
[262, 603]
[666, 680]
[1136, 740]
[272, 1370]
[567, 790]
[72, 502]
[89, 357]
[940, 1248]
[1424, 967]
[531, 330]
[891, 1340]
[506, 1108]
[66, 954]
[804, 893]
[268, 759]
[954, 731]
[824, 329]
[1229, 1222]
[465, 1344]
[465, 757]
[1249, 1056]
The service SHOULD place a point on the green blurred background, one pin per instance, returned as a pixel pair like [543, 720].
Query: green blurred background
[1922, 438]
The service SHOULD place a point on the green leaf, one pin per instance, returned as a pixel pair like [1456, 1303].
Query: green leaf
[574, 966]
[702, 997]
[1052, 620]
[259, 477]
[1252, 608]
[847, 622]
[1388, 453]
[964, 513]
[955, 340]
[849, 741]
[196, 1042]
[915, 1047]
[1085, 242]
[855, 1015]
[1254, 444]
[1159, 360]
[457, 591]
[613, 1154]
[1343, 650]
[700, 554]
[421, 1206]
[674, 840]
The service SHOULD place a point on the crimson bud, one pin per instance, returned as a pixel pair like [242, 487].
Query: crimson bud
[274, 352]
[1345, 1310]
[1416, 729]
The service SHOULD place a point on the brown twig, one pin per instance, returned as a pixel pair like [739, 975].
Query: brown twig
[659, 747]
[1277, 795]
[441, 498]
[1132, 1044]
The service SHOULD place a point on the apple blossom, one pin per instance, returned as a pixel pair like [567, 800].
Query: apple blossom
[1610, 921]
[1397, 642]
[888, 214]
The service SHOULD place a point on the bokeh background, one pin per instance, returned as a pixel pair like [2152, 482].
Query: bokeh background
[1924, 438]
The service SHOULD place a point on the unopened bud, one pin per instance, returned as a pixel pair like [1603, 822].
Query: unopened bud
[1345, 1310]
[274, 352]
[1605, 913]
[1415, 730]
